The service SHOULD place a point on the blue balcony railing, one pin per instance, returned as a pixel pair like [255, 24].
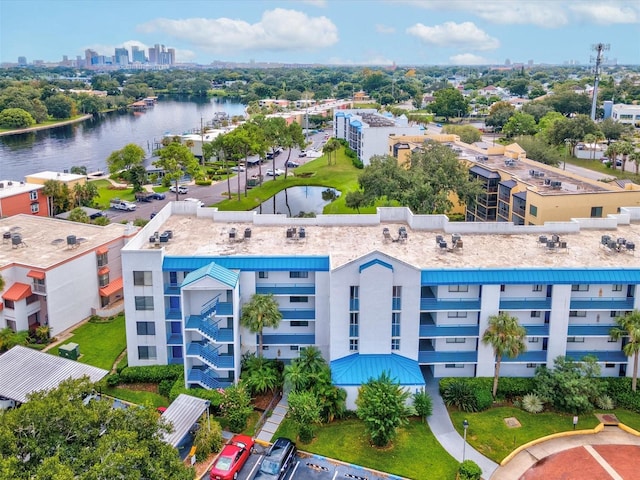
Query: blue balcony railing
[537, 330]
[427, 356]
[288, 339]
[298, 313]
[434, 331]
[589, 330]
[210, 355]
[171, 289]
[174, 339]
[525, 303]
[206, 378]
[615, 356]
[354, 304]
[601, 303]
[532, 356]
[450, 304]
[286, 289]
[173, 314]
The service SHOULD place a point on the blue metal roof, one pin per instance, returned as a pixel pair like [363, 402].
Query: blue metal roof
[355, 123]
[375, 261]
[215, 271]
[530, 276]
[249, 263]
[356, 369]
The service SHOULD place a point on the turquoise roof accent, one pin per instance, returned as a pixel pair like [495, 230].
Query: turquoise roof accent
[530, 276]
[215, 271]
[373, 262]
[355, 123]
[356, 369]
[249, 263]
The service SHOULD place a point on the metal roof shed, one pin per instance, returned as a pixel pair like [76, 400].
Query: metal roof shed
[24, 370]
[183, 413]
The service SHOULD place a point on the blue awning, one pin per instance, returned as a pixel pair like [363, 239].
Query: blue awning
[246, 263]
[221, 274]
[356, 369]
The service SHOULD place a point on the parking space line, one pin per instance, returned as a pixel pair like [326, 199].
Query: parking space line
[293, 472]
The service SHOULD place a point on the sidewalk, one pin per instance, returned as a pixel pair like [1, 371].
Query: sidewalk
[273, 422]
[442, 428]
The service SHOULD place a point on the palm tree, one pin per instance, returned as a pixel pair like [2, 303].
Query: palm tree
[625, 149]
[260, 312]
[311, 360]
[506, 336]
[635, 158]
[612, 152]
[629, 326]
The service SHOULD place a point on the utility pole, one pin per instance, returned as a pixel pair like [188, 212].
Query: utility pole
[598, 48]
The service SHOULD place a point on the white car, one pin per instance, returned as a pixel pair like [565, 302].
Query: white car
[274, 173]
[181, 189]
[239, 168]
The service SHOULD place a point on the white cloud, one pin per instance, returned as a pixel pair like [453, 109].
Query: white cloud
[464, 35]
[606, 14]
[380, 28]
[316, 3]
[182, 55]
[278, 29]
[468, 59]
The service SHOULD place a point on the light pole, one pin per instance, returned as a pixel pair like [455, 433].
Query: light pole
[465, 424]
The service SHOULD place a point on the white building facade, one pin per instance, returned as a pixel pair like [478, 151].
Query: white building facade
[628, 114]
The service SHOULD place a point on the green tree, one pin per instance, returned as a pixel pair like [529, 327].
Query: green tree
[262, 311]
[423, 404]
[16, 118]
[355, 200]
[59, 196]
[539, 150]
[60, 106]
[260, 374]
[520, 124]
[571, 130]
[79, 215]
[568, 103]
[304, 412]
[9, 338]
[330, 148]
[137, 177]
[467, 133]
[235, 406]
[84, 193]
[175, 160]
[449, 102]
[611, 129]
[382, 407]
[628, 326]
[506, 336]
[125, 158]
[499, 114]
[536, 109]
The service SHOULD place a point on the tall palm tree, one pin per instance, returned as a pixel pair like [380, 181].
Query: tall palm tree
[506, 337]
[635, 158]
[629, 326]
[260, 312]
[311, 360]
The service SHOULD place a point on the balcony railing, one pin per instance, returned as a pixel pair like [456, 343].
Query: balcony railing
[42, 289]
[615, 356]
[433, 331]
[590, 330]
[525, 303]
[426, 357]
[210, 355]
[601, 303]
[298, 313]
[535, 356]
[209, 328]
[451, 304]
[286, 289]
[206, 378]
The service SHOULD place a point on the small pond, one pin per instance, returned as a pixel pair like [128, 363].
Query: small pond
[297, 201]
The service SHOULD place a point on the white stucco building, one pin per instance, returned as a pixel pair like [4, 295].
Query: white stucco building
[629, 114]
[372, 299]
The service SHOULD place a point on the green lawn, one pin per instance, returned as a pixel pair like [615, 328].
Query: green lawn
[138, 397]
[106, 191]
[630, 419]
[598, 166]
[489, 434]
[100, 343]
[341, 175]
[415, 453]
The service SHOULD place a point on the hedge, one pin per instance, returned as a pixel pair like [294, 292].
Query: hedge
[150, 374]
[619, 389]
[508, 387]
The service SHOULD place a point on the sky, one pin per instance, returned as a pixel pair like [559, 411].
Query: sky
[338, 32]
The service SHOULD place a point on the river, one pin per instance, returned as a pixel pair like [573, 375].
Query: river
[89, 143]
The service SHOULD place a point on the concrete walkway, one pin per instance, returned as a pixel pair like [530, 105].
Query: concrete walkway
[449, 438]
[273, 422]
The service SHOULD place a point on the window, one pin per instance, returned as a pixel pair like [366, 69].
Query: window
[616, 288]
[395, 324]
[103, 259]
[596, 212]
[33, 195]
[458, 288]
[611, 340]
[456, 340]
[9, 304]
[395, 344]
[294, 348]
[579, 288]
[146, 328]
[453, 365]
[144, 303]
[532, 365]
[265, 347]
[299, 323]
[33, 299]
[142, 278]
[609, 365]
[263, 274]
[503, 288]
[354, 324]
[298, 274]
[534, 339]
[535, 313]
[536, 288]
[39, 286]
[575, 339]
[533, 210]
[147, 353]
[299, 299]
[103, 280]
[396, 294]
[457, 314]
[577, 313]
[353, 344]
[354, 292]
[35, 207]
[12, 325]
[173, 278]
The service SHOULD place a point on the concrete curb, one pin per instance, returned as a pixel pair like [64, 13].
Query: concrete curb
[627, 429]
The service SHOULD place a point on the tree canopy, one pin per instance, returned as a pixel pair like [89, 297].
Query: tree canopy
[629, 326]
[260, 312]
[449, 102]
[126, 158]
[176, 160]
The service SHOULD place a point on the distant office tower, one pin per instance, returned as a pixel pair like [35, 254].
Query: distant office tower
[22, 61]
[89, 56]
[138, 55]
[121, 57]
[172, 55]
[154, 53]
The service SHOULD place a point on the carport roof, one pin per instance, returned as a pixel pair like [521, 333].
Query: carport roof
[183, 413]
[356, 369]
[24, 370]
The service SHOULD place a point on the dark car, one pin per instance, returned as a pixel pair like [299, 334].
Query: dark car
[157, 196]
[278, 460]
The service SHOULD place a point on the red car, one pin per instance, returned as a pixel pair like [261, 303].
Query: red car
[232, 458]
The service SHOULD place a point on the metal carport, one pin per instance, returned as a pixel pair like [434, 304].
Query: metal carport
[183, 413]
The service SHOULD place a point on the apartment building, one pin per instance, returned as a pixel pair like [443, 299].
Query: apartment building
[21, 197]
[629, 114]
[409, 294]
[58, 273]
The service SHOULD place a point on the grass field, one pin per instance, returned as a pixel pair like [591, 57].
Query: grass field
[106, 192]
[139, 397]
[415, 453]
[100, 343]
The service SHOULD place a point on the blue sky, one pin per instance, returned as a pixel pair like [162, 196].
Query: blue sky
[346, 32]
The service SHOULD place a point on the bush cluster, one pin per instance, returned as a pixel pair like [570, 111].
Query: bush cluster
[151, 374]
[619, 389]
[462, 394]
[509, 388]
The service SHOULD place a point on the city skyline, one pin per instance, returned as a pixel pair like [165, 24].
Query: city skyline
[351, 32]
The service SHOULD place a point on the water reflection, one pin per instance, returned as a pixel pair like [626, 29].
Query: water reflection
[299, 201]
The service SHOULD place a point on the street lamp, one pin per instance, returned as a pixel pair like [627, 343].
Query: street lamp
[465, 424]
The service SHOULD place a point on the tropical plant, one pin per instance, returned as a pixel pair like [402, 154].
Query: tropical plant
[9, 338]
[235, 406]
[382, 407]
[208, 439]
[262, 311]
[506, 337]
[423, 404]
[469, 470]
[605, 402]
[629, 326]
[460, 394]
[260, 374]
[532, 403]
[304, 411]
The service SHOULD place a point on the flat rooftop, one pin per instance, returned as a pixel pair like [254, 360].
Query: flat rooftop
[44, 240]
[10, 188]
[198, 236]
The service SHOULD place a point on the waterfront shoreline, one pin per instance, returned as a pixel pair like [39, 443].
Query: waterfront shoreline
[45, 127]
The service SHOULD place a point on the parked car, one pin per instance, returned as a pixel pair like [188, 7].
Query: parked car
[292, 164]
[439, 125]
[274, 173]
[158, 196]
[181, 189]
[238, 168]
[278, 460]
[118, 204]
[232, 458]
[303, 153]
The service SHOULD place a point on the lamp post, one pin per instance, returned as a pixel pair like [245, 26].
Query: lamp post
[465, 424]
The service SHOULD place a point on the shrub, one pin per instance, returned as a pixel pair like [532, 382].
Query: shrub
[113, 380]
[151, 374]
[469, 470]
[484, 399]
[460, 394]
[532, 403]
[164, 388]
[514, 387]
[208, 439]
[235, 406]
[423, 404]
[605, 402]
[203, 183]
